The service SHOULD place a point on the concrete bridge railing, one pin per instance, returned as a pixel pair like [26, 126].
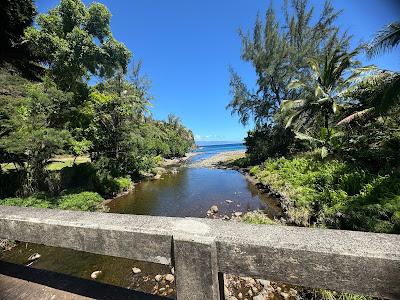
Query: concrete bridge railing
[202, 249]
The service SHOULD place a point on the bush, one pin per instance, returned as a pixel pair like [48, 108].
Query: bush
[87, 201]
[123, 183]
[333, 193]
[254, 217]
[38, 200]
[269, 141]
[110, 186]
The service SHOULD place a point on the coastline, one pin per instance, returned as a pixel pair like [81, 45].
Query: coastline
[218, 159]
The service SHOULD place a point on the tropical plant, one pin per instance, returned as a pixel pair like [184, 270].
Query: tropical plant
[325, 95]
[386, 39]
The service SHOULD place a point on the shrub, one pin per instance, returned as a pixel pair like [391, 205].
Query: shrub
[109, 186]
[334, 193]
[255, 217]
[87, 201]
[124, 183]
[39, 201]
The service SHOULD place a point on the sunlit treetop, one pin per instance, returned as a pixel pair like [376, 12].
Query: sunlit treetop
[75, 42]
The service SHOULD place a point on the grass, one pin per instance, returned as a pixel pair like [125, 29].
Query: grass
[59, 162]
[86, 201]
[56, 164]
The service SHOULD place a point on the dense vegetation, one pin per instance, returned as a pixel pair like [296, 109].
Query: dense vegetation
[57, 112]
[327, 127]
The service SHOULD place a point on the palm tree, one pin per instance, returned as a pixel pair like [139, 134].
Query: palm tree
[387, 38]
[324, 94]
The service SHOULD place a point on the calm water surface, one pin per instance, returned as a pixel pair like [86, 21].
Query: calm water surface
[185, 192]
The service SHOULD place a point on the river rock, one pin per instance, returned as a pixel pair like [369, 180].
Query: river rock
[264, 283]
[292, 292]
[285, 296]
[172, 270]
[260, 297]
[34, 256]
[240, 296]
[237, 213]
[225, 217]
[158, 278]
[96, 274]
[214, 209]
[136, 270]
[169, 277]
[158, 176]
[228, 201]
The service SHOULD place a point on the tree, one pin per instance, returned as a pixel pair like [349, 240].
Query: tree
[279, 53]
[325, 94]
[15, 17]
[33, 137]
[117, 108]
[75, 42]
[386, 39]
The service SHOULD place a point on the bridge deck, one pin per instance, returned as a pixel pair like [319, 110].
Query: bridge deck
[20, 289]
[23, 283]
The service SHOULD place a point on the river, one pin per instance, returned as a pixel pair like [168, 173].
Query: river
[183, 192]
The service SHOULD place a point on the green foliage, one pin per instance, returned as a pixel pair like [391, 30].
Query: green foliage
[279, 53]
[334, 194]
[257, 218]
[269, 141]
[386, 39]
[32, 134]
[15, 16]
[75, 41]
[87, 201]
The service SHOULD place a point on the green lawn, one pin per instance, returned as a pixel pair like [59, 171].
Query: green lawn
[57, 163]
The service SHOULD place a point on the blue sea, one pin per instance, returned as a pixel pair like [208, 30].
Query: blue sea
[210, 150]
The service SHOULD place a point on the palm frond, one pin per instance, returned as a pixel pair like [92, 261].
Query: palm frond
[354, 116]
[387, 38]
[290, 104]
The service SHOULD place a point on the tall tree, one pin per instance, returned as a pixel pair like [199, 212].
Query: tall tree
[279, 53]
[75, 42]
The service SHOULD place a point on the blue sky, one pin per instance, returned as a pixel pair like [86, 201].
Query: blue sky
[186, 47]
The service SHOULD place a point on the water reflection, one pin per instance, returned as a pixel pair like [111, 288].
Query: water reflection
[190, 193]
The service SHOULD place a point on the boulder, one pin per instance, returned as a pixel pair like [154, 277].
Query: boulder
[136, 270]
[158, 277]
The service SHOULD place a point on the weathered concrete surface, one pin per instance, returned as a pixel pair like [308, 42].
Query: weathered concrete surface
[357, 262]
[24, 283]
[195, 260]
[19, 289]
[129, 236]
